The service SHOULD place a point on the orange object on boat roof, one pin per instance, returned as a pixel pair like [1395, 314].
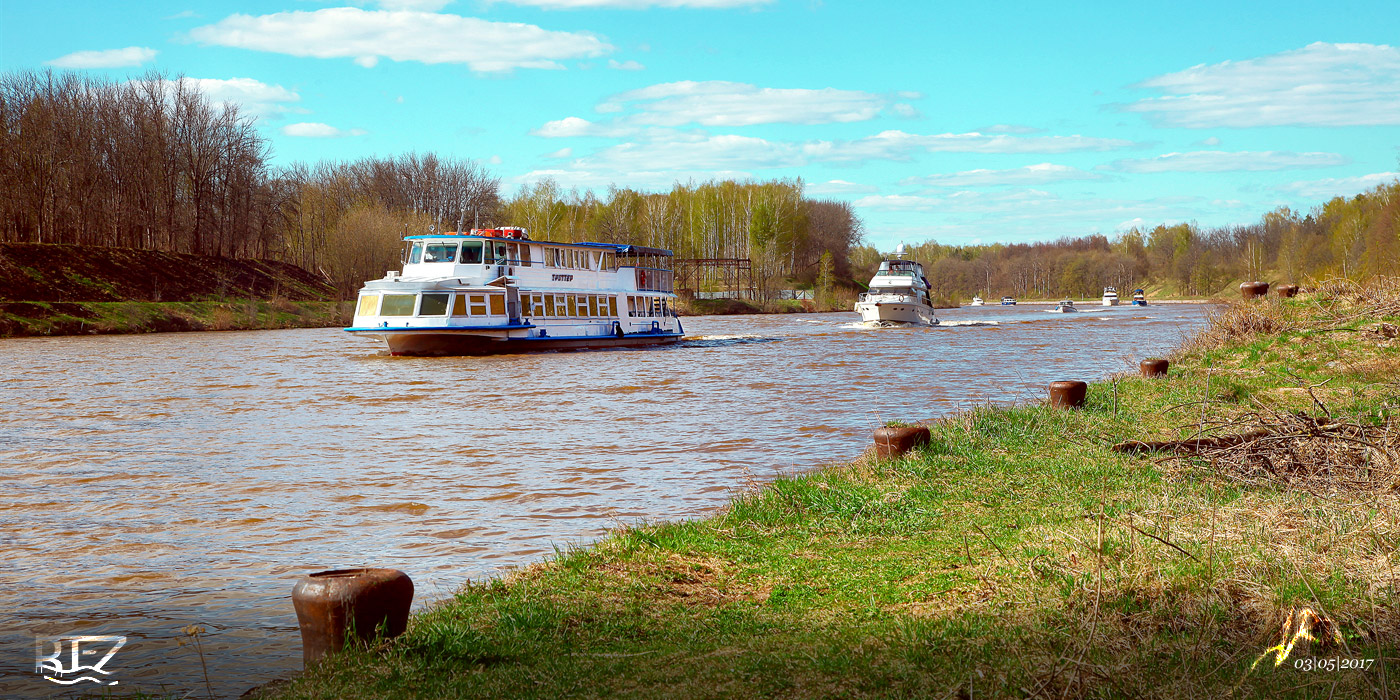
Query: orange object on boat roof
[513, 232]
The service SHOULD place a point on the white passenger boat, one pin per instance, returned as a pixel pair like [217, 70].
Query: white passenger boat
[978, 301]
[495, 290]
[1008, 301]
[899, 293]
[1110, 296]
[1138, 298]
[1064, 307]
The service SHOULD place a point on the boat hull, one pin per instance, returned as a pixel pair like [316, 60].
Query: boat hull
[1139, 303]
[1110, 302]
[440, 344]
[896, 312]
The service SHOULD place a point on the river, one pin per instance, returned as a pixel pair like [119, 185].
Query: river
[150, 482]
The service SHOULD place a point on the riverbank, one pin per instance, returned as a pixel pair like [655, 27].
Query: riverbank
[38, 318]
[1018, 554]
[48, 289]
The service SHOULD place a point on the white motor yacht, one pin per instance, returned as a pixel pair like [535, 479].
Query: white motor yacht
[977, 301]
[899, 293]
[1064, 307]
[1110, 296]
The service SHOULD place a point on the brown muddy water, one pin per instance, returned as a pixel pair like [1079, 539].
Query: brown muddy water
[150, 482]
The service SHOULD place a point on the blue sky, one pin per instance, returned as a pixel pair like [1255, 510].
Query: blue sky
[961, 122]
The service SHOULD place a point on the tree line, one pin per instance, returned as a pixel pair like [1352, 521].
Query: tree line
[152, 163]
[1355, 237]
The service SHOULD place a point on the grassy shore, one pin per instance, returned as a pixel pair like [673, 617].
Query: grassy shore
[37, 318]
[1019, 554]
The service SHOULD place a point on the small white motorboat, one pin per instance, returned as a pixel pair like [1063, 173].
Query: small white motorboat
[1138, 298]
[1064, 307]
[977, 301]
[1110, 296]
[1008, 301]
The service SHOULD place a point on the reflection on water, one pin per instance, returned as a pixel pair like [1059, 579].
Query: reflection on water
[151, 482]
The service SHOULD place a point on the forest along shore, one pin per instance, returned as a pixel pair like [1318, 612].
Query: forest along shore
[1191, 535]
[54, 289]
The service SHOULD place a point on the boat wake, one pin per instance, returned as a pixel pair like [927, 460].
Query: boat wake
[970, 323]
[720, 341]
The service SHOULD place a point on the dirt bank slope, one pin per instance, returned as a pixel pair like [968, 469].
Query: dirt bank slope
[59, 273]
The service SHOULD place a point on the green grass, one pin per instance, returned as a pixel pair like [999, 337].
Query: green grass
[1016, 555]
[82, 318]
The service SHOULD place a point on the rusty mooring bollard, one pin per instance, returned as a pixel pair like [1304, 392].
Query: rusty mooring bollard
[1287, 290]
[1068, 394]
[893, 441]
[1154, 367]
[1251, 290]
[359, 602]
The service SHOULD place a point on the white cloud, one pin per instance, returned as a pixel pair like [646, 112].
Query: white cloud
[700, 151]
[1010, 129]
[252, 97]
[640, 179]
[1226, 161]
[721, 103]
[898, 145]
[111, 58]
[317, 130]
[1039, 174]
[625, 65]
[561, 153]
[1320, 84]
[1338, 186]
[576, 127]
[695, 152]
[840, 187]
[636, 4]
[416, 5]
[368, 35]
[494, 160]
[1210, 141]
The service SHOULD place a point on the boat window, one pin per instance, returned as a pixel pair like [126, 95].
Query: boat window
[398, 305]
[415, 254]
[561, 305]
[490, 257]
[498, 304]
[612, 306]
[433, 305]
[459, 305]
[537, 305]
[369, 303]
[593, 306]
[477, 302]
[440, 252]
[471, 252]
[501, 256]
[512, 252]
[525, 255]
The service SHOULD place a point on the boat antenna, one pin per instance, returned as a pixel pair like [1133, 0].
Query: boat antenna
[460, 216]
[476, 219]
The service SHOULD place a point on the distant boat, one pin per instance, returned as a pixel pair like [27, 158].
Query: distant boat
[977, 301]
[1110, 296]
[898, 294]
[1064, 307]
[1008, 301]
[1138, 298]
